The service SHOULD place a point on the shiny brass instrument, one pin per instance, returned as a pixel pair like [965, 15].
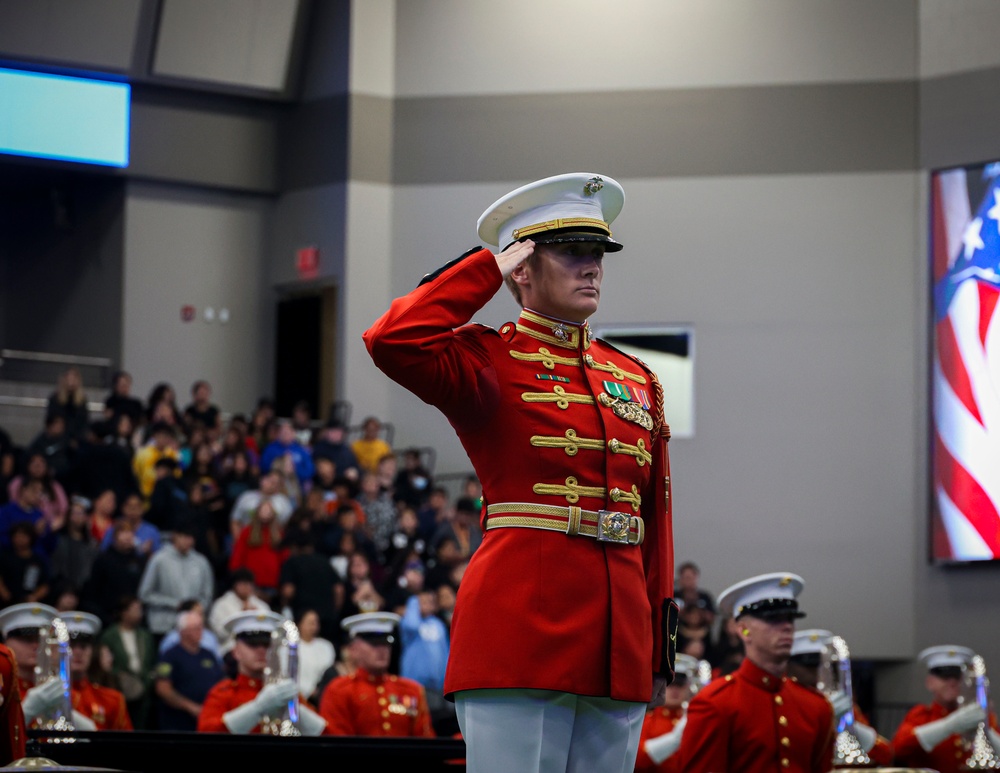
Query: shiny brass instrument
[283, 663]
[704, 674]
[53, 663]
[835, 677]
[982, 754]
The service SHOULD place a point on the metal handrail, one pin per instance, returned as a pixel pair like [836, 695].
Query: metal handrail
[41, 402]
[63, 359]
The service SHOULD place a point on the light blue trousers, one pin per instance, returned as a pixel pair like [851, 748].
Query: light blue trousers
[541, 731]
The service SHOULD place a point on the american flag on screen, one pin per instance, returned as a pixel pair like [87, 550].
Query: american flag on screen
[965, 244]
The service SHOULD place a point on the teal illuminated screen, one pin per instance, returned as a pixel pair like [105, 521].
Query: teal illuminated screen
[60, 117]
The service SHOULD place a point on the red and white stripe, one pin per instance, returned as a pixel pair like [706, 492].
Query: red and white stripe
[966, 374]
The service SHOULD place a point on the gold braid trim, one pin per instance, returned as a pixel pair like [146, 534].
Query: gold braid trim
[560, 397]
[642, 456]
[632, 497]
[547, 358]
[571, 443]
[617, 372]
[572, 490]
[660, 426]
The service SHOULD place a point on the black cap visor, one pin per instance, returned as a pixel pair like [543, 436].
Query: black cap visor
[772, 610]
[563, 235]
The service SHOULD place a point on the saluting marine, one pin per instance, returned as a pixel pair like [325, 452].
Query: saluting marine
[565, 607]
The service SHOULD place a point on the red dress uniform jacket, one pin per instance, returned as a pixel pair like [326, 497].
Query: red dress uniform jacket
[657, 722]
[364, 704]
[751, 721]
[104, 705]
[533, 404]
[881, 753]
[12, 731]
[227, 695]
[947, 757]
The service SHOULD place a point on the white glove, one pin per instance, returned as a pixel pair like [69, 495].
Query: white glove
[661, 747]
[866, 736]
[41, 699]
[959, 721]
[274, 697]
[310, 723]
[842, 703]
[80, 722]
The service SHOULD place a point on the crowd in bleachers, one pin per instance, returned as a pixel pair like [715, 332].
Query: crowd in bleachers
[299, 514]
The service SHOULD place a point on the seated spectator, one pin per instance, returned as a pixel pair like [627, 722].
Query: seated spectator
[184, 675]
[162, 444]
[728, 652]
[133, 656]
[161, 406]
[302, 420]
[105, 460]
[286, 445]
[405, 544]
[7, 463]
[241, 597]
[116, 572]
[414, 482]
[688, 591]
[380, 513]
[103, 511]
[370, 447]
[361, 589]
[69, 401]
[76, 549]
[201, 411]
[386, 472]
[316, 654]
[54, 503]
[694, 629]
[64, 596]
[262, 426]
[147, 536]
[26, 508]
[309, 582]
[291, 486]
[425, 646]
[324, 482]
[121, 402]
[331, 445]
[208, 641]
[456, 539]
[433, 513]
[258, 548]
[237, 477]
[175, 572]
[168, 500]
[53, 443]
[24, 574]
[248, 502]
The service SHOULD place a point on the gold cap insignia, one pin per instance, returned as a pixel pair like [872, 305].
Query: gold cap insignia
[592, 186]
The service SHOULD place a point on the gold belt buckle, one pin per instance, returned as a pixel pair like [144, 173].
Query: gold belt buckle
[612, 526]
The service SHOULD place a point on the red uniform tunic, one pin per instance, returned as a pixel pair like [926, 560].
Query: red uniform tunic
[534, 405]
[227, 695]
[947, 757]
[751, 721]
[363, 704]
[12, 735]
[104, 705]
[657, 722]
[881, 753]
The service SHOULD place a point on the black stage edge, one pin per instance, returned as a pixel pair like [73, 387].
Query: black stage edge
[153, 752]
